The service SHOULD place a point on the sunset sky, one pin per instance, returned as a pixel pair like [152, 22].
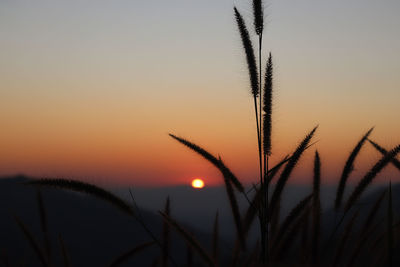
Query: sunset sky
[90, 89]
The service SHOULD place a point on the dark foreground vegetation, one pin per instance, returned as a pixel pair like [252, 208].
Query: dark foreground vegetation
[359, 233]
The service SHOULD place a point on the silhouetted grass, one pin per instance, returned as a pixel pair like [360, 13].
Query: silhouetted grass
[86, 188]
[383, 151]
[290, 219]
[316, 211]
[343, 241]
[32, 242]
[348, 168]
[362, 185]
[226, 172]
[190, 239]
[278, 240]
[288, 170]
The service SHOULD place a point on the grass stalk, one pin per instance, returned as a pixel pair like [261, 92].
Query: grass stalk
[288, 170]
[190, 239]
[32, 242]
[348, 168]
[86, 188]
[316, 211]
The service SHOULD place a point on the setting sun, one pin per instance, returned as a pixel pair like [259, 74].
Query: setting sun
[197, 183]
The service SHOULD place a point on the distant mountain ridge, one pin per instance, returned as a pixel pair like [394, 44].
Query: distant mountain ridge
[95, 232]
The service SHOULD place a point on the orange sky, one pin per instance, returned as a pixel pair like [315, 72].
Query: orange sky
[91, 91]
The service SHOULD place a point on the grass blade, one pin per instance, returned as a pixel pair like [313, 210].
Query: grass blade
[216, 162]
[348, 168]
[43, 224]
[372, 213]
[383, 151]
[367, 229]
[190, 239]
[290, 236]
[288, 170]
[362, 185]
[129, 254]
[363, 239]
[236, 214]
[273, 171]
[344, 239]
[32, 242]
[316, 211]
[252, 210]
[86, 188]
[293, 215]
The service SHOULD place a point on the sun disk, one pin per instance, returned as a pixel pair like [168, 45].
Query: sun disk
[197, 183]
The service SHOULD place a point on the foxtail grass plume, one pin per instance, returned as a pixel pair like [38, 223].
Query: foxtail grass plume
[287, 171]
[248, 48]
[362, 185]
[258, 14]
[86, 188]
[348, 168]
[383, 151]
[267, 107]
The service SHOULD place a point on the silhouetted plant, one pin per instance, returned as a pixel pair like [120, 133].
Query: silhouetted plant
[87, 189]
[276, 237]
[348, 168]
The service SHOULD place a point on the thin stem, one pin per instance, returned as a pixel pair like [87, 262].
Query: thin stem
[266, 179]
[262, 183]
[261, 215]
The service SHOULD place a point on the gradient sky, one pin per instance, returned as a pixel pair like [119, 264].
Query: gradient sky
[90, 89]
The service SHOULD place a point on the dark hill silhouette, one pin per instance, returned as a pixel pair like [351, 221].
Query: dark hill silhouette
[94, 232]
